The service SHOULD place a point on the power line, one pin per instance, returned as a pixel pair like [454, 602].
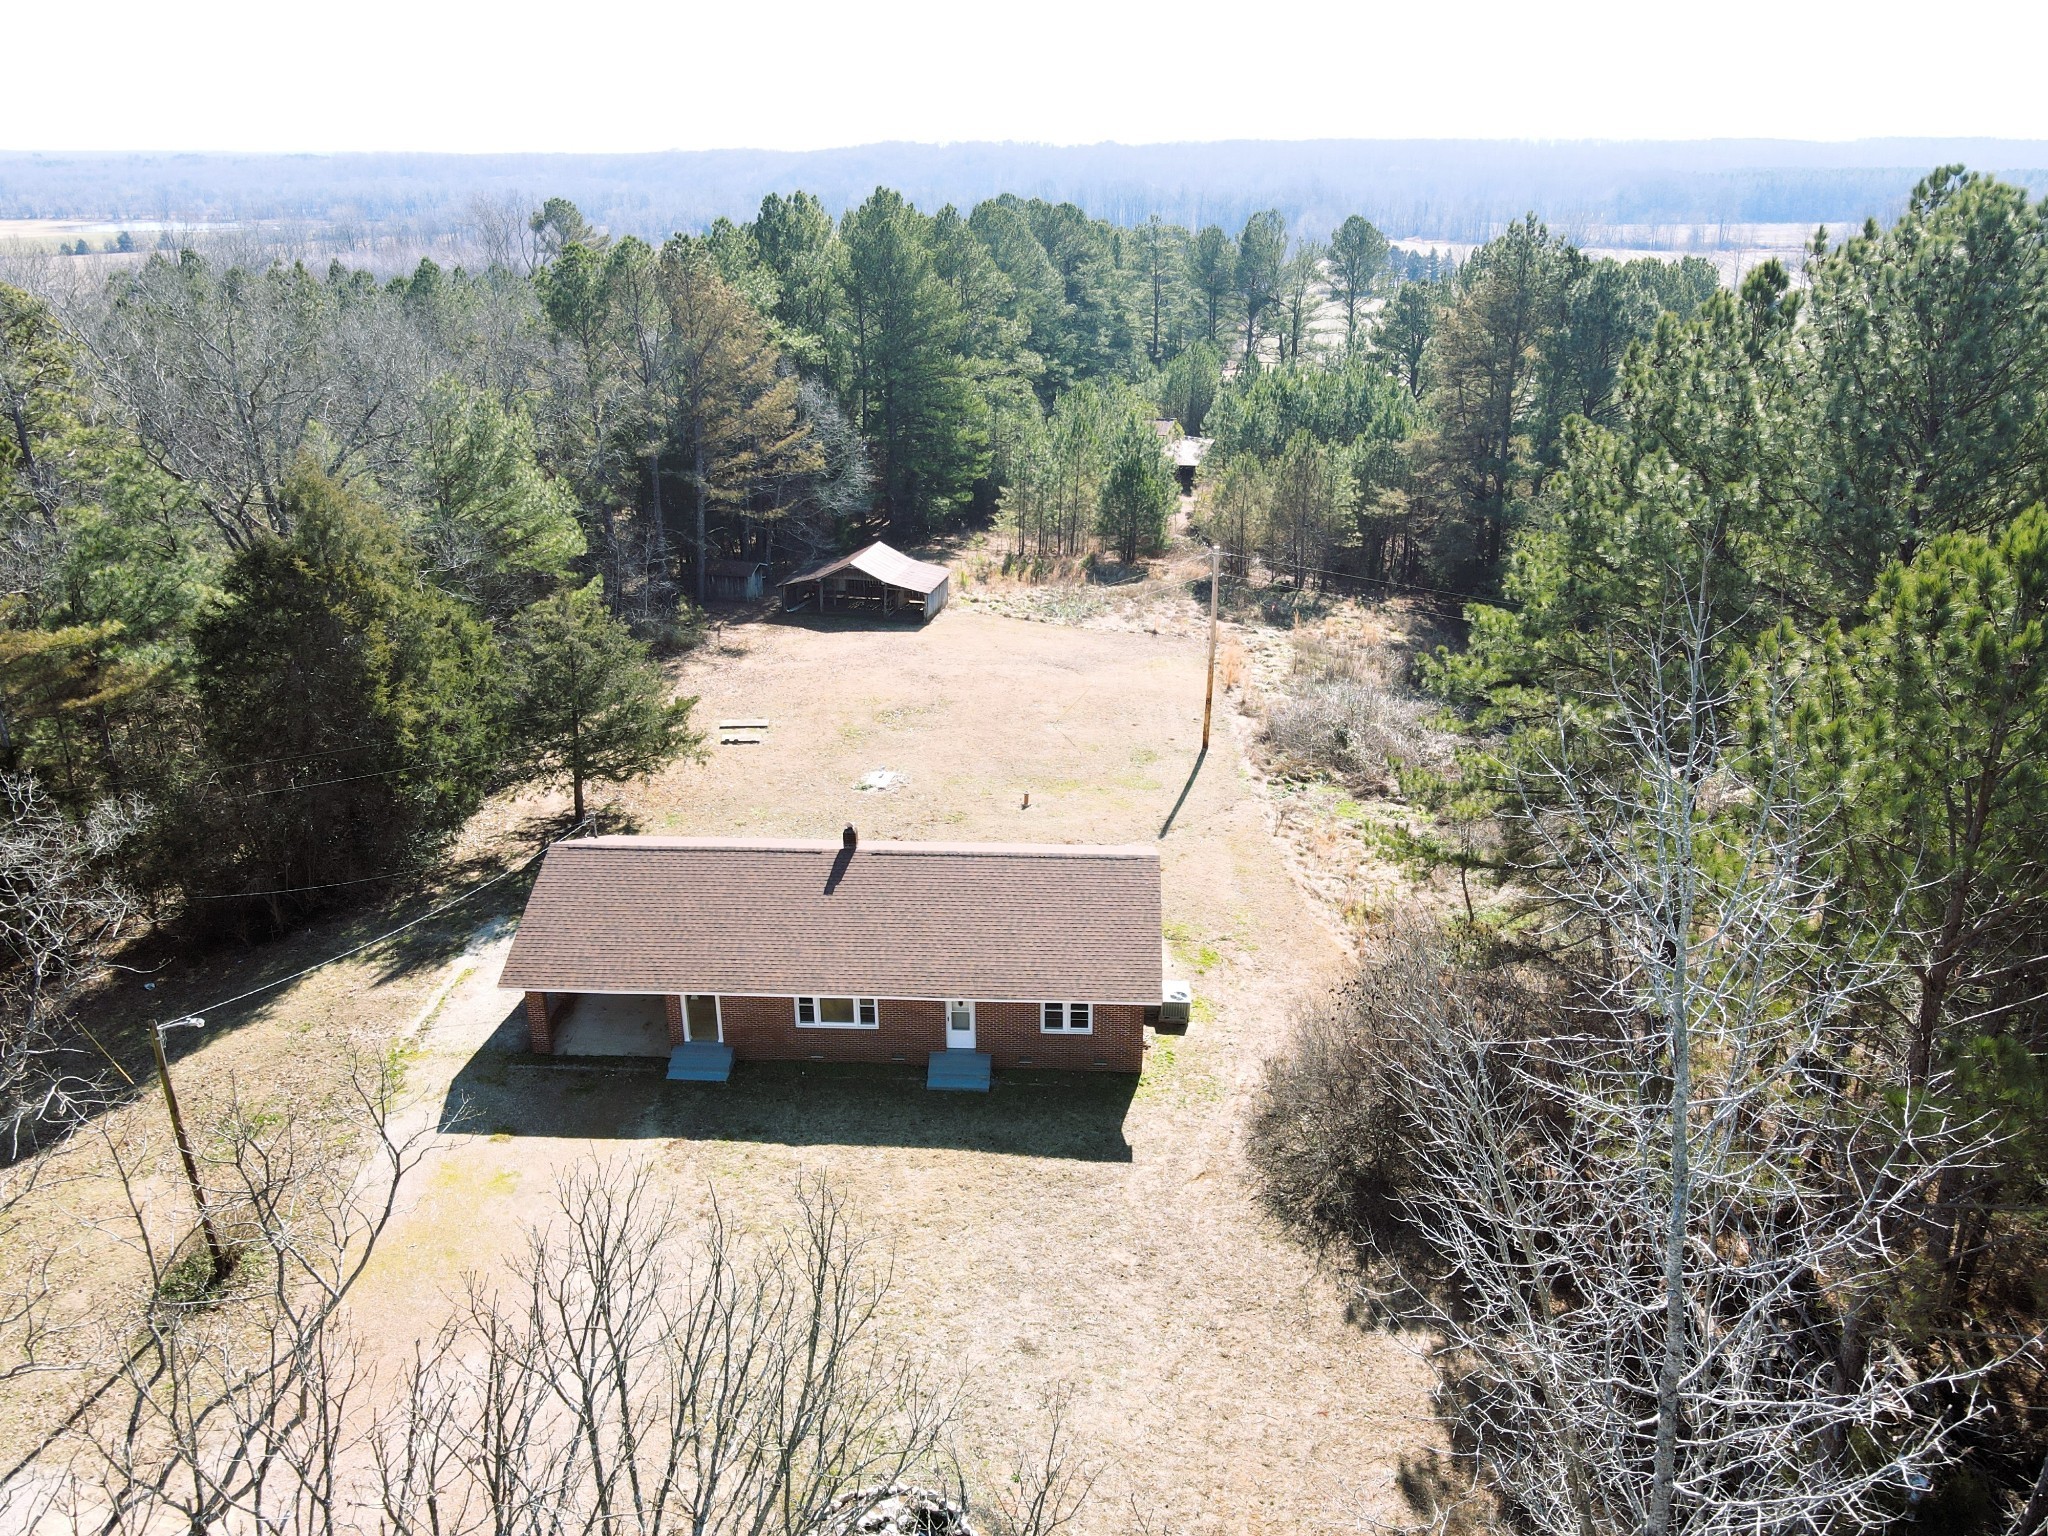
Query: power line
[433, 912]
[357, 778]
[295, 757]
[294, 890]
[1378, 581]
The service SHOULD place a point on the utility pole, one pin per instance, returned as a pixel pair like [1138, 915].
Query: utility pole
[1209, 696]
[214, 1251]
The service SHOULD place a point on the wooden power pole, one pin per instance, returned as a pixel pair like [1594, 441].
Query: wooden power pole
[214, 1251]
[1209, 696]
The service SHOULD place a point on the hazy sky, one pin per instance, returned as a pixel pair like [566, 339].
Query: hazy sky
[640, 74]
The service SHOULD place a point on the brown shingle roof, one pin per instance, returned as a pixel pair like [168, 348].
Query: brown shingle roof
[889, 566]
[989, 921]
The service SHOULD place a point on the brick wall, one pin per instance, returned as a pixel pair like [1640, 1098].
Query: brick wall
[1011, 1035]
[765, 1029]
[542, 1009]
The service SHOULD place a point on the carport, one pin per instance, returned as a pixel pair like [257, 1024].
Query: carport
[603, 1024]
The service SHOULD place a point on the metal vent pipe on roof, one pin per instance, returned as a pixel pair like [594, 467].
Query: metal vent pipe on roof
[850, 839]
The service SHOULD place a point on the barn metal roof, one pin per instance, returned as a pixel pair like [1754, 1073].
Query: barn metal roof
[989, 921]
[889, 566]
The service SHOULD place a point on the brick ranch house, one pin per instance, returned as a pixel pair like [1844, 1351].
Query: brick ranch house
[983, 954]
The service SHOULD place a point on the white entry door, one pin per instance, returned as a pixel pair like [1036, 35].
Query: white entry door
[959, 1026]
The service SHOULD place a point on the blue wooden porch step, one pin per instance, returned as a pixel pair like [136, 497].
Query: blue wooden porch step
[958, 1071]
[700, 1061]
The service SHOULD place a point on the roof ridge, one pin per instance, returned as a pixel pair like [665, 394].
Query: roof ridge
[883, 846]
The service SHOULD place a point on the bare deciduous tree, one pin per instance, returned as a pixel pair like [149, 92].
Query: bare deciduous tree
[1673, 1222]
[1048, 1483]
[233, 367]
[623, 1383]
[240, 1404]
[60, 910]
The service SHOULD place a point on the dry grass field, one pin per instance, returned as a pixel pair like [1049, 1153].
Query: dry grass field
[1094, 1233]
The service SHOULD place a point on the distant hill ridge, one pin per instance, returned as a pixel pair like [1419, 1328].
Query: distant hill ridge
[1449, 189]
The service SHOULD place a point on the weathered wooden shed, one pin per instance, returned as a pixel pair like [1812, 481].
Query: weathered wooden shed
[878, 581]
[736, 581]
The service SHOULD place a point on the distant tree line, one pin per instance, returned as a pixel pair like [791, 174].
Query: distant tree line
[1443, 189]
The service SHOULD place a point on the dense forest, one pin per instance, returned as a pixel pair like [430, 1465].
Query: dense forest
[216, 465]
[1715, 1148]
[300, 565]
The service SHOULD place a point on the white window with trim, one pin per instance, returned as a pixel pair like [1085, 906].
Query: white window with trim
[838, 1013]
[1066, 1018]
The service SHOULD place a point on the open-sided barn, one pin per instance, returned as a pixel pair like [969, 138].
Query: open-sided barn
[878, 581]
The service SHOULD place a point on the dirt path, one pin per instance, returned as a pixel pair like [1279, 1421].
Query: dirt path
[1041, 1236]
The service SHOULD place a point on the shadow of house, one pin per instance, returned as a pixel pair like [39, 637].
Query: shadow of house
[503, 1090]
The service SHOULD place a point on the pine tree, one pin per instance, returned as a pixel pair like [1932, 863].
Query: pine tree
[1310, 498]
[1358, 255]
[732, 407]
[1137, 496]
[498, 531]
[1401, 338]
[587, 703]
[1483, 355]
[1189, 388]
[1212, 273]
[1261, 253]
[1162, 258]
[1301, 291]
[907, 382]
[795, 239]
[1940, 728]
[1932, 342]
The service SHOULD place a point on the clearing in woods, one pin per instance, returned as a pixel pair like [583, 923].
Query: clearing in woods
[1089, 1232]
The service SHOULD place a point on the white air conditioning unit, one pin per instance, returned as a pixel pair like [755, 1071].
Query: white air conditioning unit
[1176, 998]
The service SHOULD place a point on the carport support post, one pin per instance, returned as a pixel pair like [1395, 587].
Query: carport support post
[1209, 697]
[214, 1251]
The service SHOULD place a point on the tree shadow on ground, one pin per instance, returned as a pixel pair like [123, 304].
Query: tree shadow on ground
[171, 973]
[841, 622]
[442, 938]
[1108, 571]
[503, 1091]
[1440, 1495]
[1274, 605]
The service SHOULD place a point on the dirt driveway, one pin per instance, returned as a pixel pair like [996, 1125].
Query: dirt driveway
[1057, 1231]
